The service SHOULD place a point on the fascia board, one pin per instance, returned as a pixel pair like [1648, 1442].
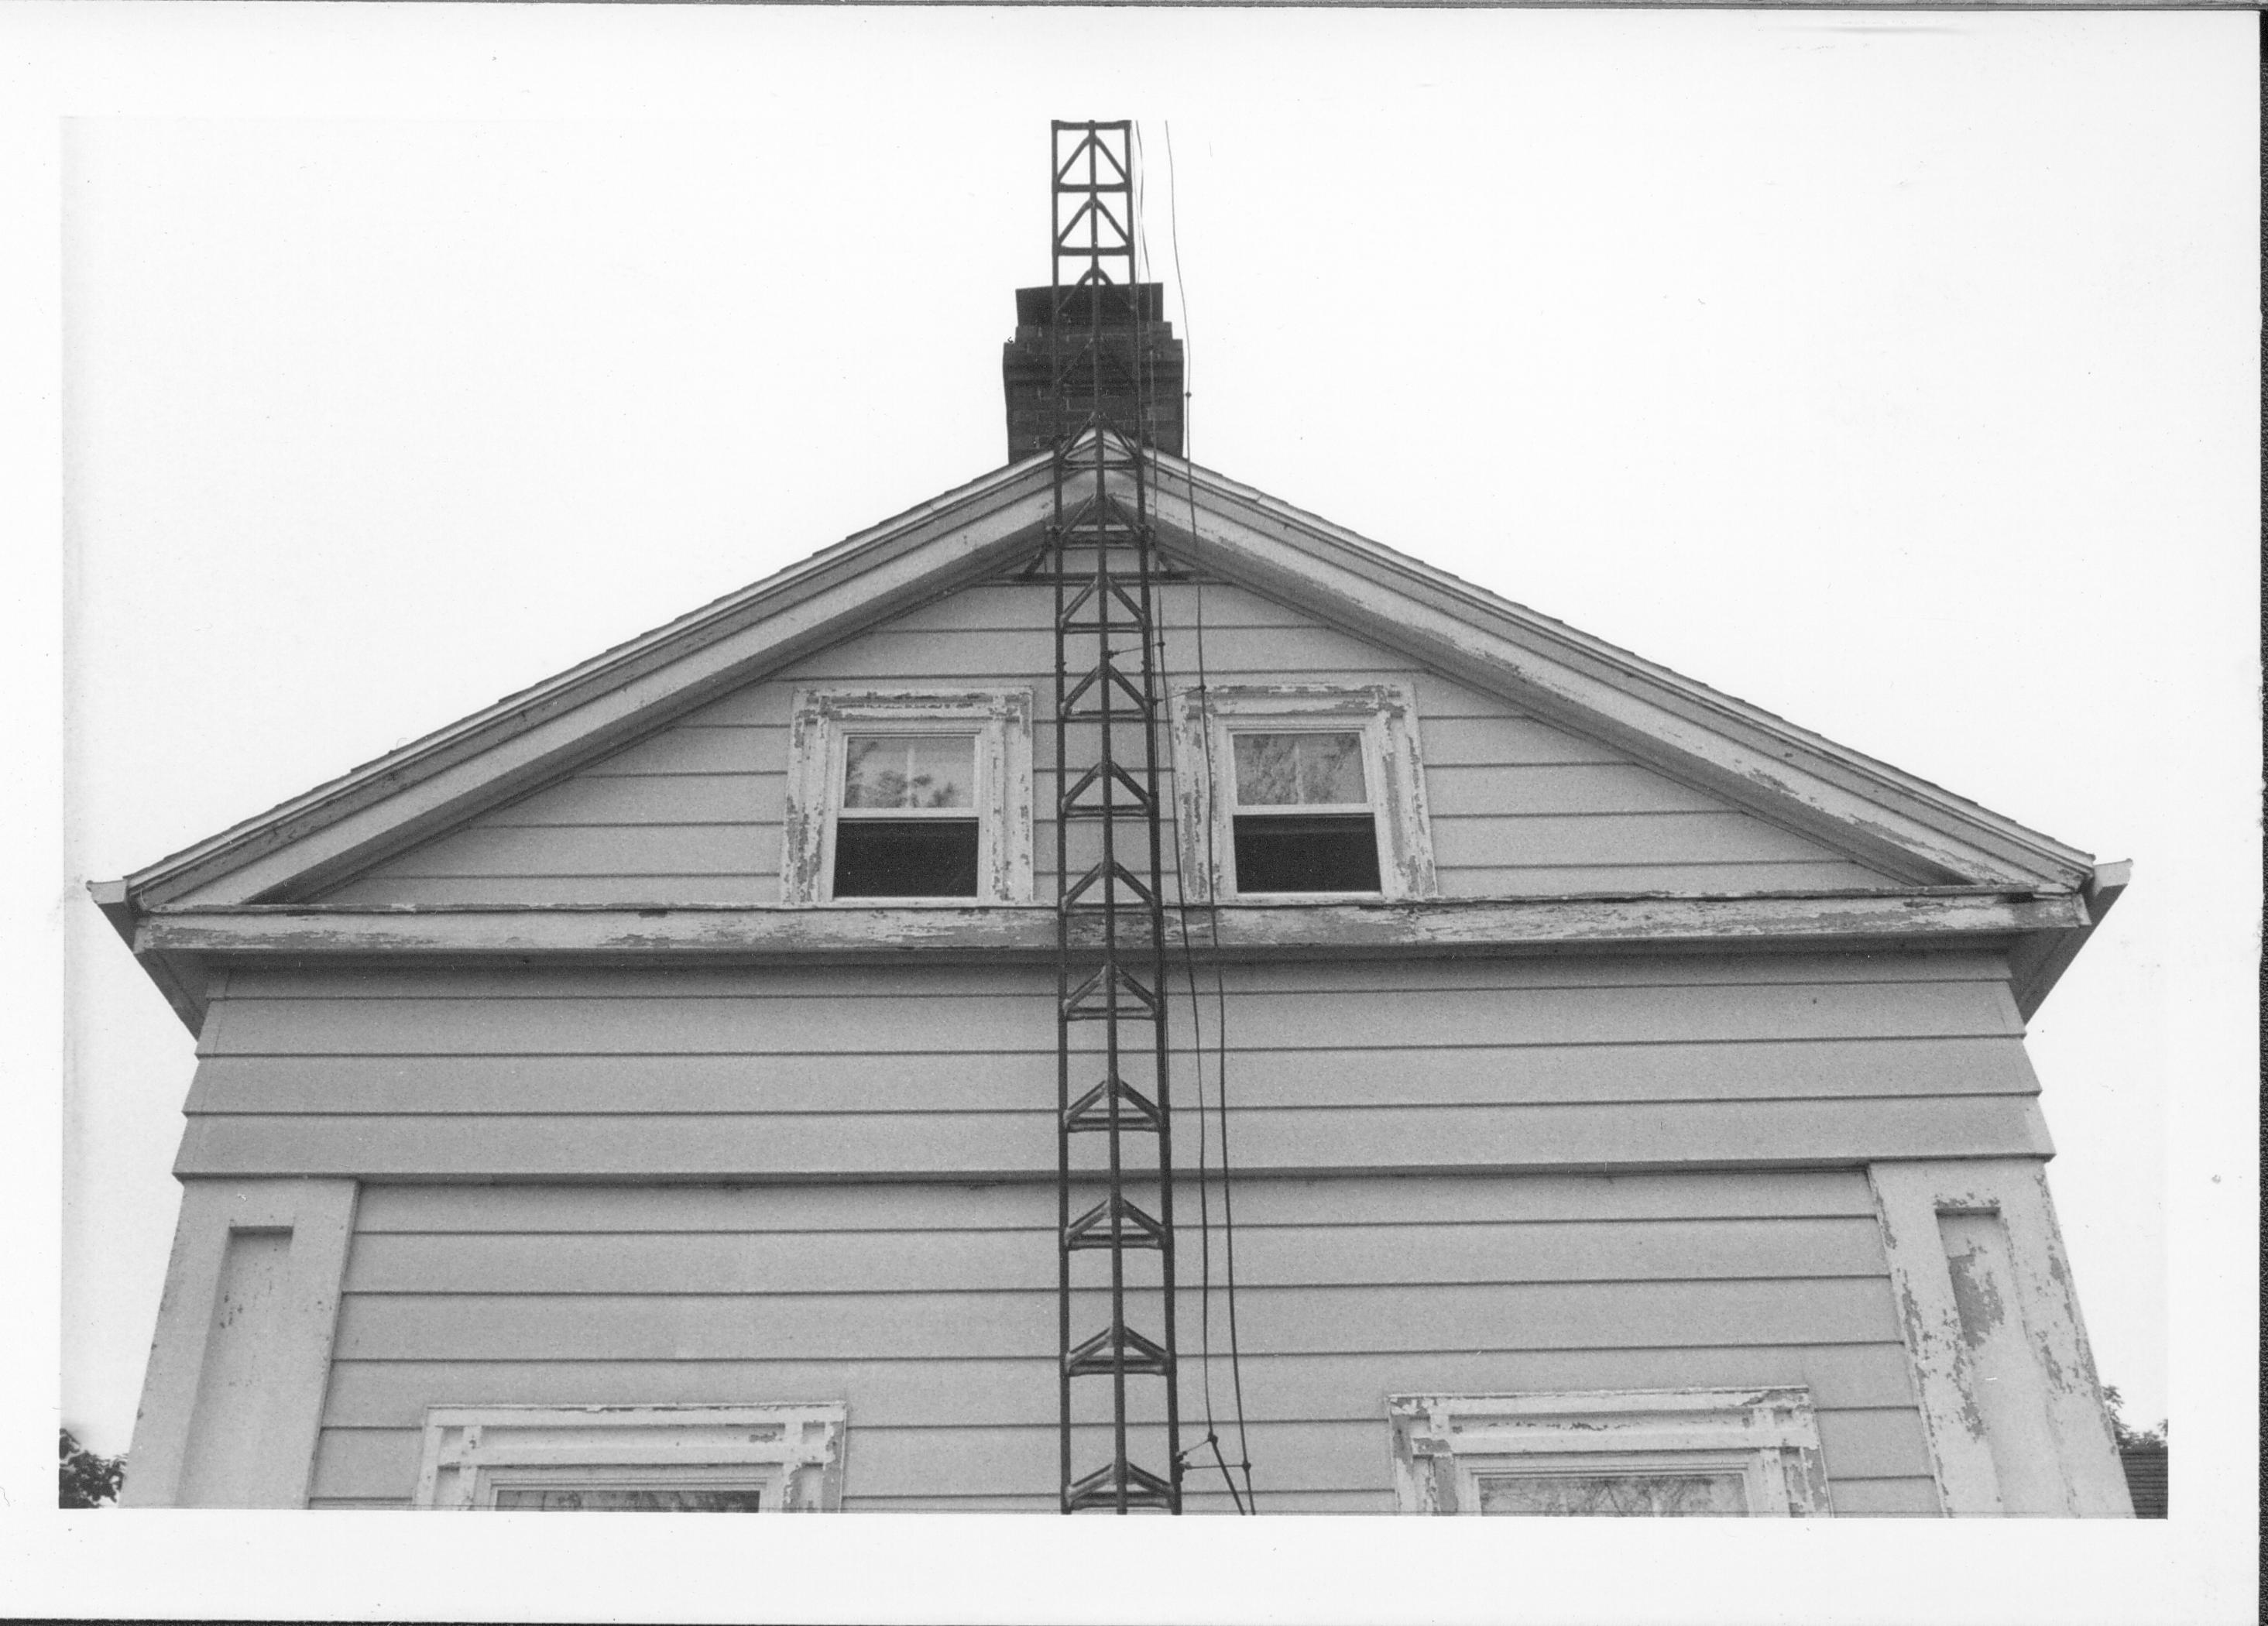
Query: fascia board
[1913, 829]
[179, 976]
[448, 776]
[183, 945]
[1943, 917]
[2039, 961]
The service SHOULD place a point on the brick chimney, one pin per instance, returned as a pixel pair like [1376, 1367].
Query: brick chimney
[1024, 366]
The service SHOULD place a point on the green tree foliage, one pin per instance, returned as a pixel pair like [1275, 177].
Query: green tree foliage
[2126, 1434]
[88, 1479]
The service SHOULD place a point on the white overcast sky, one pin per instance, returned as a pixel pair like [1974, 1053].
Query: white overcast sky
[1894, 373]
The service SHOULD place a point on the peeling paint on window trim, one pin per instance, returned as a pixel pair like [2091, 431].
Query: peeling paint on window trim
[1441, 1443]
[792, 1452]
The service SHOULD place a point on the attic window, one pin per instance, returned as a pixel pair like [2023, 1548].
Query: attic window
[1302, 791]
[1303, 821]
[910, 796]
[907, 827]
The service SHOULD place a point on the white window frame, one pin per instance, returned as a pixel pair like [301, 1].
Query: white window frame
[1000, 720]
[1205, 723]
[1445, 1445]
[791, 1453]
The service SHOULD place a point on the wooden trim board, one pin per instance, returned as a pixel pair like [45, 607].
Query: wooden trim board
[1256, 930]
[185, 1401]
[1993, 1339]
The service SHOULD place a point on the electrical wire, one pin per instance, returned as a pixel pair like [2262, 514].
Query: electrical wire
[1249, 1502]
[1147, 371]
[1145, 386]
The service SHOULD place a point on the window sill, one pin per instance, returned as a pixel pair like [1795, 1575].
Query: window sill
[901, 903]
[1293, 900]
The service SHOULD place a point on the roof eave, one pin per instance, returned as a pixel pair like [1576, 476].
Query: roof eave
[182, 944]
[1984, 845]
[246, 842]
[1489, 640]
[2039, 961]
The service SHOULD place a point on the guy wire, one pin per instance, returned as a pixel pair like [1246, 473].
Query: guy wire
[1188, 968]
[1249, 1501]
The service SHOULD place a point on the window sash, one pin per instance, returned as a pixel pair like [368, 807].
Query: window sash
[972, 763]
[965, 815]
[1238, 809]
[490, 1484]
[1364, 765]
[1473, 1469]
[981, 797]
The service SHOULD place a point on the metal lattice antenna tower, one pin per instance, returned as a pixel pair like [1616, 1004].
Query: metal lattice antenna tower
[1115, 1198]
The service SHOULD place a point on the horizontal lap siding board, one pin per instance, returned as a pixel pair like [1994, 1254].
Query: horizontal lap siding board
[1584, 880]
[1012, 1081]
[1009, 1146]
[945, 1259]
[900, 1073]
[843, 1326]
[1633, 839]
[1551, 1282]
[1607, 970]
[1540, 1199]
[915, 1391]
[1345, 1007]
[693, 813]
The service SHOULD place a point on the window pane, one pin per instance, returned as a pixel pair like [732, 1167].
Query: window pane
[1294, 770]
[625, 1499]
[1657, 1496]
[908, 770]
[905, 858]
[1306, 852]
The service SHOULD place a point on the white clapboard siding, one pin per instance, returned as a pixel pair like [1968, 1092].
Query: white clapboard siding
[929, 1313]
[1306, 1205]
[952, 1260]
[990, 1324]
[1342, 1007]
[1748, 968]
[1012, 1146]
[692, 813]
[918, 1392]
[902, 1073]
[1014, 1080]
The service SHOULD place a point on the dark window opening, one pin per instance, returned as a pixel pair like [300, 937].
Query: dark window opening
[1306, 852]
[905, 858]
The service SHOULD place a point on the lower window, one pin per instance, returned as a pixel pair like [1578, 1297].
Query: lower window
[1738, 1453]
[763, 1459]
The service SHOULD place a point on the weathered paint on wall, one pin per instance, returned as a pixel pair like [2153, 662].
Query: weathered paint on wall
[929, 1309]
[929, 1300]
[693, 813]
[865, 1072]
